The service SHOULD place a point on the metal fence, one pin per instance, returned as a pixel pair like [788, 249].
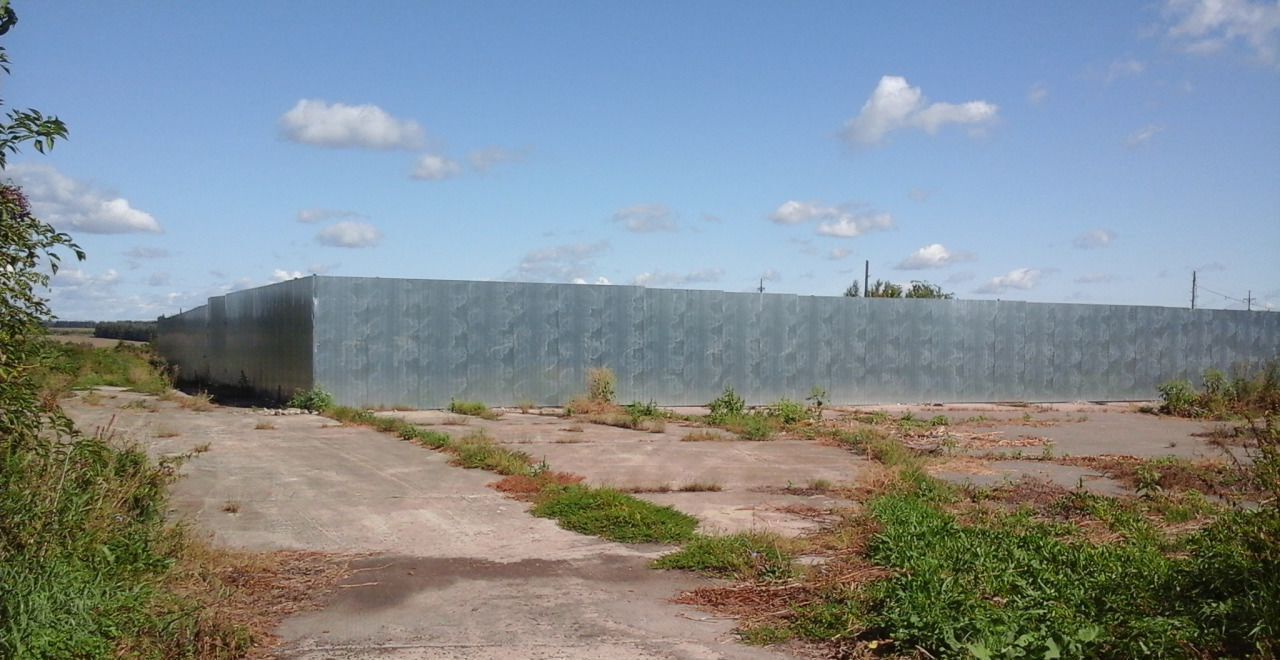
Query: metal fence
[420, 343]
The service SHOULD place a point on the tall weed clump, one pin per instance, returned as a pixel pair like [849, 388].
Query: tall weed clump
[1242, 394]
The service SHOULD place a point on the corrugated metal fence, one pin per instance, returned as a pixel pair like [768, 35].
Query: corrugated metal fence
[420, 343]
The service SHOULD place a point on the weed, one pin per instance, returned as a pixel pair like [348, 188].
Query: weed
[820, 485]
[79, 366]
[747, 557]
[817, 401]
[315, 400]
[92, 398]
[703, 435]
[600, 384]
[939, 420]
[264, 425]
[1220, 397]
[167, 432]
[614, 515]
[201, 448]
[700, 487]
[472, 409]
[198, 402]
[525, 405]
[231, 506]
[479, 451]
[789, 412]
[727, 405]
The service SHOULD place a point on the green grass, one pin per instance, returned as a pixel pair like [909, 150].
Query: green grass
[79, 366]
[749, 557]
[479, 451]
[473, 409]
[614, 515]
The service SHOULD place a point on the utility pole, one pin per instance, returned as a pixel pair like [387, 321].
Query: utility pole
[1193, 289]
[866, 277]
[761, 289]
[1248, 301]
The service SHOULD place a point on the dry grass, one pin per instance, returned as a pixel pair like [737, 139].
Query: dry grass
[230, 507]
[700, 487]
[167, 432]
[264, 425]
[707, 435]
[92, 398]
[198, 402]
[527, 488]
[456, 420]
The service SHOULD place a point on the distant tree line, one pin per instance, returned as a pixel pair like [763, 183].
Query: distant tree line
[70, 324]
[128, 330]
[883, 289]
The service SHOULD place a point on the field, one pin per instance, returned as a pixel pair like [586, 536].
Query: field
[837, 529]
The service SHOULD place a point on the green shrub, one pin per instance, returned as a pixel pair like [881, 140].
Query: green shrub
[472, 409]
[728, 404]
[600, 385]
[755, 556]
[81, 366]
[1178, 398]
[615, 515]
[789, 412]
[315, 400]
[639, 411]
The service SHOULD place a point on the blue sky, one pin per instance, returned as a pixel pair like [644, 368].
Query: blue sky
[1083, 152]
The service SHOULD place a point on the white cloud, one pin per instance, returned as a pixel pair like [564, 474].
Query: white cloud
[645, 218]
[1038, 94]
[1096, 278]
[850, 225]
[1021, 278]
[281, 275]
[1124, 68]
[602, 280]
[837, 221]
[896, 105]
[771, 275]
[1143, 135]
[349, 234]
[1093, 239]
[435, 168]
[312, 216]
[72, 205]
[141, 252]
[934, 255]
[839, 253]
[349, 126]
[560, 263]
[158, 279]
[483, 160]
[1208, 26]
[704, 276]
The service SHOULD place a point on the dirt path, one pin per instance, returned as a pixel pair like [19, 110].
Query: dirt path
[454, 569]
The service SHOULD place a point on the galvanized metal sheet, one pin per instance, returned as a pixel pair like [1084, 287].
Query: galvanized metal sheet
[388, 342]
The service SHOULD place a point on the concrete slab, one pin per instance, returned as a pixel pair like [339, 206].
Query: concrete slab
[460, 571]
[735, 512]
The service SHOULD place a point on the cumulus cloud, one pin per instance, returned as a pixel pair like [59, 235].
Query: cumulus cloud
[896, 105]
[69, 204]
[560, 263]
[1020, 279]
[72, 278]
[843, 221]
[312, 216]
[1123, 68]
[342, 126]
[1038, 94]
[934, 255]
[1093, 239]
[282, 275]
[1143, 135]
[704, 276]
[349, 234]
[838, 254]
[645, 218]
[602, 280]
[483, 160]
[435, 168]
[141, 252]
[1208, 26]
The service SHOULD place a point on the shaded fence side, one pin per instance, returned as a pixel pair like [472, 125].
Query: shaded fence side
[259, 337]
[421, 343]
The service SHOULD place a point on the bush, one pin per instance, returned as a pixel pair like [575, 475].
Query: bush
[1245, 394]
[728, 404]
[1178, 398]
[315, 400]
[600, 385]
[790, 412]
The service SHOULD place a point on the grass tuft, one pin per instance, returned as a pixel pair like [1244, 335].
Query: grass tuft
[614, 515]
[749, 557]
[472, 409]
